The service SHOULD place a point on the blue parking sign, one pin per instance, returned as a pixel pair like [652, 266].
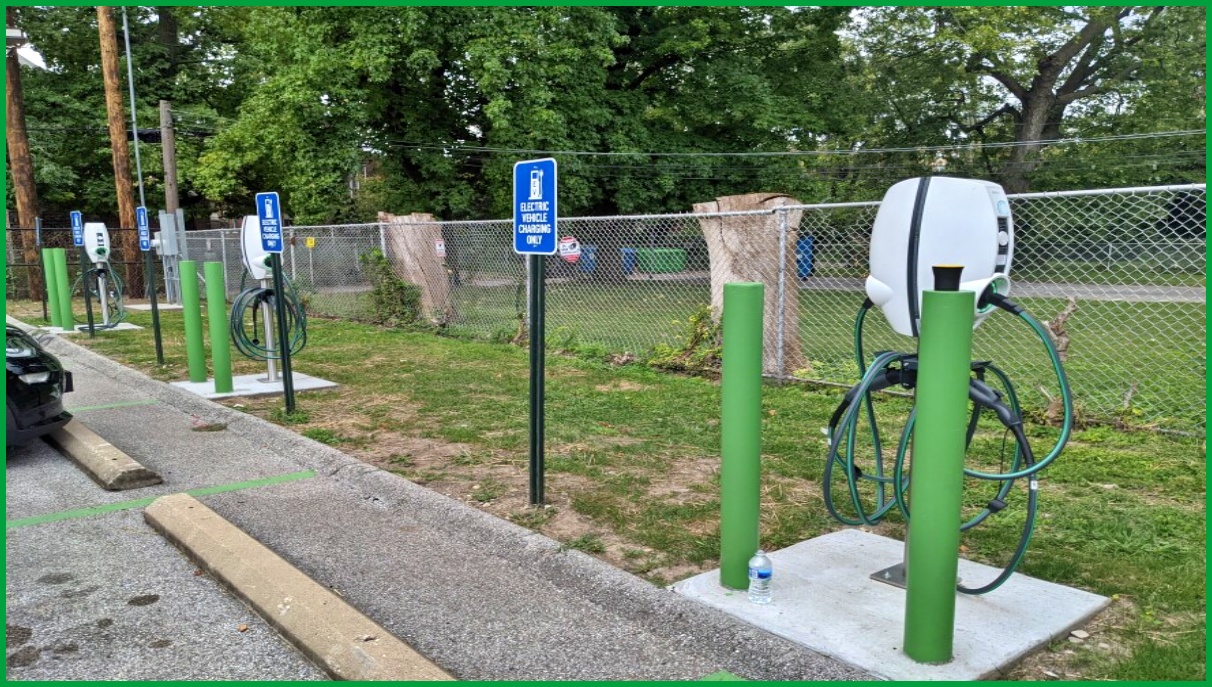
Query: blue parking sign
[534, 207]
[77, 227]
[269, 211]
[144, 232]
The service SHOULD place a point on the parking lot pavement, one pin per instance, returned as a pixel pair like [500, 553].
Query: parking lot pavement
[101, 596]
[479, 596]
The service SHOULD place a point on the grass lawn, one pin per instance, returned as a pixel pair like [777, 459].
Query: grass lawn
[632, 473]
[1133, 363]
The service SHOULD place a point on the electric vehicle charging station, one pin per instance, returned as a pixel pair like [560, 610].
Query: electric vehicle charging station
[254, 327]
[106, 286]
[837, 594]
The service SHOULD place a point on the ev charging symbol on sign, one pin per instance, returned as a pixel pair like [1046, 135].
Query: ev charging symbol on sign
[534, 207]
[270, 214]
[77, 227]
[144, 233]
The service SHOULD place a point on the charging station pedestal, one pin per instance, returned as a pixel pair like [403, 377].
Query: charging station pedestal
[269, 383]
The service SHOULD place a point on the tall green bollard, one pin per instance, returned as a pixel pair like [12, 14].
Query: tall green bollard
[740, 431]
[216, 315]
[195, 353]
[66, 320]
[932, 553]
[52, 286]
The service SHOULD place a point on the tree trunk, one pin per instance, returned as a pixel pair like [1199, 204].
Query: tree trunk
[22, 165]
[746, 249]
[411, 251]
[126, 243]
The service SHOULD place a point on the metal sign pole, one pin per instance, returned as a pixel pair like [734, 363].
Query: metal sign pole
[288, 384]
[537, 361]
[535, 236]
[88, 300]
[38, 247]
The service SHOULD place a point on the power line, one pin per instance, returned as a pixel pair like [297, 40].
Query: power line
[455, 147]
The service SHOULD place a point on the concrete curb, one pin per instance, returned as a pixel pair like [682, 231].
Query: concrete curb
[102, 461]
[344, 643]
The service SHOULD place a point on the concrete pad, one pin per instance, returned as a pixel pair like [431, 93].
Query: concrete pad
[824, 600]
[100, 330]
[251, 386]
[101, 460]
[343, 641]
[146, 307]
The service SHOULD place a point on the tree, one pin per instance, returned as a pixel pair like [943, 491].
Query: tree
[1021, 74]
[445, 99]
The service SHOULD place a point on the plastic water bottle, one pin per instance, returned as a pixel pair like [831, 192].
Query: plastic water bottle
[760, 573]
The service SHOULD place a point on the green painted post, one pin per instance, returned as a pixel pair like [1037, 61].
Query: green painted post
[740, 431]
[195, 353]
[216, 314]
[932, 552]
[66, 320]
[51, 284]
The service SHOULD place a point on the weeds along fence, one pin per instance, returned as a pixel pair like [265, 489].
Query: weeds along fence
[1118, 274]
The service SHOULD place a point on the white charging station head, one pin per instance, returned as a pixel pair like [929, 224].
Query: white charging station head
[938, 221]
[96, 242]
[256, 260]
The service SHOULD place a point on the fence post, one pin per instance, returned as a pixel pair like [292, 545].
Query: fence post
[781, 306]
[39, 249]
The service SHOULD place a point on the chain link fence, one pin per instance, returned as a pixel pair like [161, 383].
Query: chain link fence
[1125, 267]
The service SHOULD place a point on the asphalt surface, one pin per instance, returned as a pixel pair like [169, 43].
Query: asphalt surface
[105, 598]
[482, 598]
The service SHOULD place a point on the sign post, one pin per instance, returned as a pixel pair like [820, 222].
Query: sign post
[269, 211]
[149, 277]
[534, 235]
[78, 241]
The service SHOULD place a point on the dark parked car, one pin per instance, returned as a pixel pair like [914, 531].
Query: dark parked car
[36, 384]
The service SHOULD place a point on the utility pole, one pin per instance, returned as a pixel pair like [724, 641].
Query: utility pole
[19, 157]
[127, 241]
[168, 141]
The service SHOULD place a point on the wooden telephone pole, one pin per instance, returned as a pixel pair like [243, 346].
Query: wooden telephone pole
[21, 162]
[126, 243]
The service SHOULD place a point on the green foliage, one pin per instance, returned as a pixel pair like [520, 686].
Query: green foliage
[700, 349]
[393, 301]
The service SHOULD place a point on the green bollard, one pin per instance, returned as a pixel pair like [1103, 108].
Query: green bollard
[740, 431]
[932, 551]
[216, 315]
[195, 353]
[66, 320]
[52, 285]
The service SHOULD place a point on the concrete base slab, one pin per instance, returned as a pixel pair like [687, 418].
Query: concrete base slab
[250, 386]
[77, 330]
[824, 599]
[146, 307]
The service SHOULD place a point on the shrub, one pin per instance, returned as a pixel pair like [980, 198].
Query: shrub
[393, 301]
[699, 351]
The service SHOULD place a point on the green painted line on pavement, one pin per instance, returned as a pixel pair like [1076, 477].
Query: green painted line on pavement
[142, 503]
[122, 404]
[722, 676]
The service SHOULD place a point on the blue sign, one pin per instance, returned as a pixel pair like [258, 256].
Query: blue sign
[77, 227]
[144, 233]
[269, 211]
[534, 207]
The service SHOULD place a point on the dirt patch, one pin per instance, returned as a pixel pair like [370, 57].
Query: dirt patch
[1064, 659]
[622, 385]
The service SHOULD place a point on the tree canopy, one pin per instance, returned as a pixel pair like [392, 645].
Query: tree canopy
[352, 110]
